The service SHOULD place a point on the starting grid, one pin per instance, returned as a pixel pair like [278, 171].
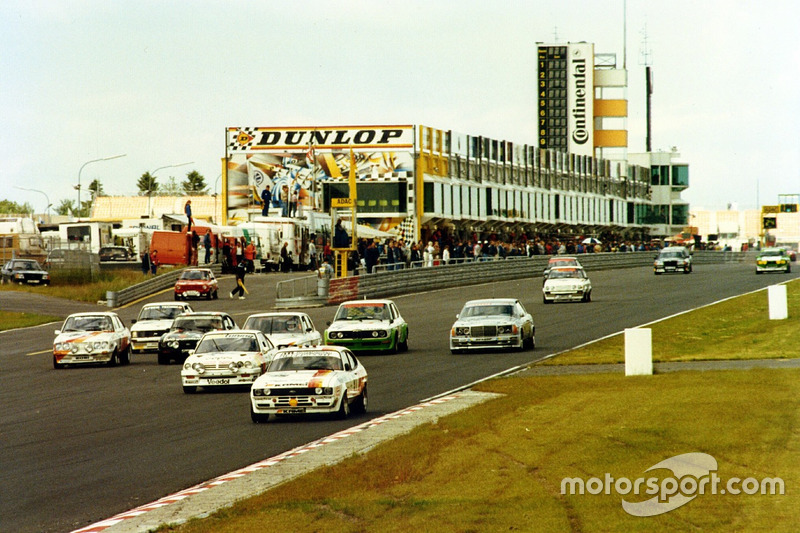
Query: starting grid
[266, 463]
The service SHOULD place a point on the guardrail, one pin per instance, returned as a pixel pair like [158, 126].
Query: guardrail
[151, 286]
[416, 277]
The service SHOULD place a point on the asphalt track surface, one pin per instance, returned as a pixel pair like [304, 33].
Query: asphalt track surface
[82, 444]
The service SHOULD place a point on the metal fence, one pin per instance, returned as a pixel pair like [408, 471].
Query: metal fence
[151, 286]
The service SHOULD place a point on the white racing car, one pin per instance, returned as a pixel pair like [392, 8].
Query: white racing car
[226, 358]
[87, 338]
[286, 329]
[153, 321]
[492, 323]
[567, 284]
[322, 379]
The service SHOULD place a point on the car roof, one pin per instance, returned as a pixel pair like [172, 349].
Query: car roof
[234, 332]
[196, 269]
[204, 313]
[277, 313]
[93, 313]
[492, 301]
[566, 269]
[562, 258]
[164, 304]
[367, 302]
[336, 350]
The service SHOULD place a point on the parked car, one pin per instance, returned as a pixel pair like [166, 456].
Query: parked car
[24, 271]
[368, 325]
[773, 260]
[492, 323]
[153, 321]
[322, 379]
[226, 358]
[116, 253]
[673, 259]
[196, 283]
[95, 337]
[286, 329]
[186, 331]
[567, 284]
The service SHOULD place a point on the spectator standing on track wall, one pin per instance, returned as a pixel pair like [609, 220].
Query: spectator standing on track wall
[187, 208]
[240, 288]
[266, 199]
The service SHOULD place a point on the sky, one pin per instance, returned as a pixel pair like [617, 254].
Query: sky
[160, 81]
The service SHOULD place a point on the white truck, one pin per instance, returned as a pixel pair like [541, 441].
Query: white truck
[269, 235]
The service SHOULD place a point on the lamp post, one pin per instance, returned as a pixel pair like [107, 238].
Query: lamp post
[152, 175]
[81, 170]
[46, 197]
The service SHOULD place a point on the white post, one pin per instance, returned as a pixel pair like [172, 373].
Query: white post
[778, 309]
[638, 352]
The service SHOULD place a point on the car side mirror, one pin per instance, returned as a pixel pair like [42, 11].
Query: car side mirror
[309, 330]
[347, 367]
[133, 321]
[57, 332]
[328, 322]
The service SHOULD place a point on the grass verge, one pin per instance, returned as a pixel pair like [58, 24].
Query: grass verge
[738, 328]
[13, 320]
[499, 466]
[66, 285]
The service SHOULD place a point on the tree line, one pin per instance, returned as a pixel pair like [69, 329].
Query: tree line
[193, 185]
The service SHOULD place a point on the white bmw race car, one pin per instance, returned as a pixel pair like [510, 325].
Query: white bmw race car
[322, 379]
[86, 338]
[226, 358]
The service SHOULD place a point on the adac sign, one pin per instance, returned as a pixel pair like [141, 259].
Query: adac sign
[282, 139]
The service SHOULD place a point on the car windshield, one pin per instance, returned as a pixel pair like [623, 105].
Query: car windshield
[194, 274]
[772, 253]
[486, 310]
[305, 362]
[565, 274]
[26, 265]
[87, 323]
[160, 312]
[671, 254]
[362, 312]
[201, 324]
[274, 324]
[218, 343]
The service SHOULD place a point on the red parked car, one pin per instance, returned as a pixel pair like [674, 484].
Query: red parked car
[196, 283]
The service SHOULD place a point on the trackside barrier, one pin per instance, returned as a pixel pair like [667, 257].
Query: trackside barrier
[151, 286]
[407, 280]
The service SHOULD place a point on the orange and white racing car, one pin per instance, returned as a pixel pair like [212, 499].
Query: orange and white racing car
[92, 338]
[321, 379]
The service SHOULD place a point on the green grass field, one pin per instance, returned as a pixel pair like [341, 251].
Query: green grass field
[499, 466]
